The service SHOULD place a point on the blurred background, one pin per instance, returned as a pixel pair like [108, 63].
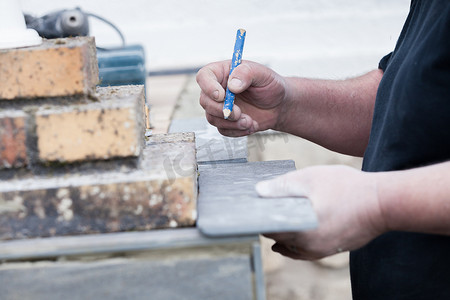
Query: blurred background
[295, 37]
[321, 38]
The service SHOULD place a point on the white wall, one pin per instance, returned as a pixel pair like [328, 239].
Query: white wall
[295, 37]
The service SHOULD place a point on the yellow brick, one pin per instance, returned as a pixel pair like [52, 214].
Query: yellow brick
[58, 67]
[111, 127]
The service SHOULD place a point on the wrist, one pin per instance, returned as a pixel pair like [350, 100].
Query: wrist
[380, 179]
[391, 194]
[285, 106]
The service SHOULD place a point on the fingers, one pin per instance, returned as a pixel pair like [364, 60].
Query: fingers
[289, 251]
[295, 245]
[285, 243]
[234, 128]
[288, 185]
[296, 252]
[215, 108]
[236, 120]
[236, 133]
[210, 79]
[214, 78]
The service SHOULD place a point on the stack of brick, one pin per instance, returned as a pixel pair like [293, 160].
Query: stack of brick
[74, 158]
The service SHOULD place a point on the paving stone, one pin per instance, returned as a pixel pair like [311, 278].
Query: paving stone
[163, 92]
[12, 139]
[57, 67]
[112, 127]
[161, 193]
[203, 277]
[229, 205]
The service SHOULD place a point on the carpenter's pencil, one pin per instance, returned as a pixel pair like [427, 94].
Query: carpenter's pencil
[235, 61]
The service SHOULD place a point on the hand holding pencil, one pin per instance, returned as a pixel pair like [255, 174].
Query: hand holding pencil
[257, 96]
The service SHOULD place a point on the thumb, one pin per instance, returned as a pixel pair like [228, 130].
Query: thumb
[240, 79]
[249, 74]
[282, 186]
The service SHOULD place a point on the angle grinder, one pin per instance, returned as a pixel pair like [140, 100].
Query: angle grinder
[59, 24]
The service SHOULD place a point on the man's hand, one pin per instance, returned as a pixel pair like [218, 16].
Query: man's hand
[335, 114]
[260, 93]
[346, 203]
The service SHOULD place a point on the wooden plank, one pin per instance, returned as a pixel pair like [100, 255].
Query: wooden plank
[162, 94]
[229, 205]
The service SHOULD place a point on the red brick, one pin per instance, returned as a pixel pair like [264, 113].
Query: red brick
[12, 139]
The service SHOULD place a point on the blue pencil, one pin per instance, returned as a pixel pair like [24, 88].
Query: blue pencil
[235, 61]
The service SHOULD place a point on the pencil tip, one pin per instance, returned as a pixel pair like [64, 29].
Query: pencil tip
[226, 113]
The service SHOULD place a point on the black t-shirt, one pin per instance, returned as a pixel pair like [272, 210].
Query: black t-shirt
[410, 128]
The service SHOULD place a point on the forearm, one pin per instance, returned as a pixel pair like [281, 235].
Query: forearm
[416, 200]
[334, 114]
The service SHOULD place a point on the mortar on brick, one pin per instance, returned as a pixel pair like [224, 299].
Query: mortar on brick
[161, 193]
[182, 137]
[36, 168]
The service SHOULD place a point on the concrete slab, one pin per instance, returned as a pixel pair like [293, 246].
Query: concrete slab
[229, 205]
[201, 277]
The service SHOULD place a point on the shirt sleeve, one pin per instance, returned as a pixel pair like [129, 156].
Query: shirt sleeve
[384, 62]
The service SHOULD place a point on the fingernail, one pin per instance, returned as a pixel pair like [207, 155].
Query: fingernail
[243, 123]
[215, 95]
[235, 83]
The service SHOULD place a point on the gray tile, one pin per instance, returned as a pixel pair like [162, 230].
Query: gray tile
[229, 205]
